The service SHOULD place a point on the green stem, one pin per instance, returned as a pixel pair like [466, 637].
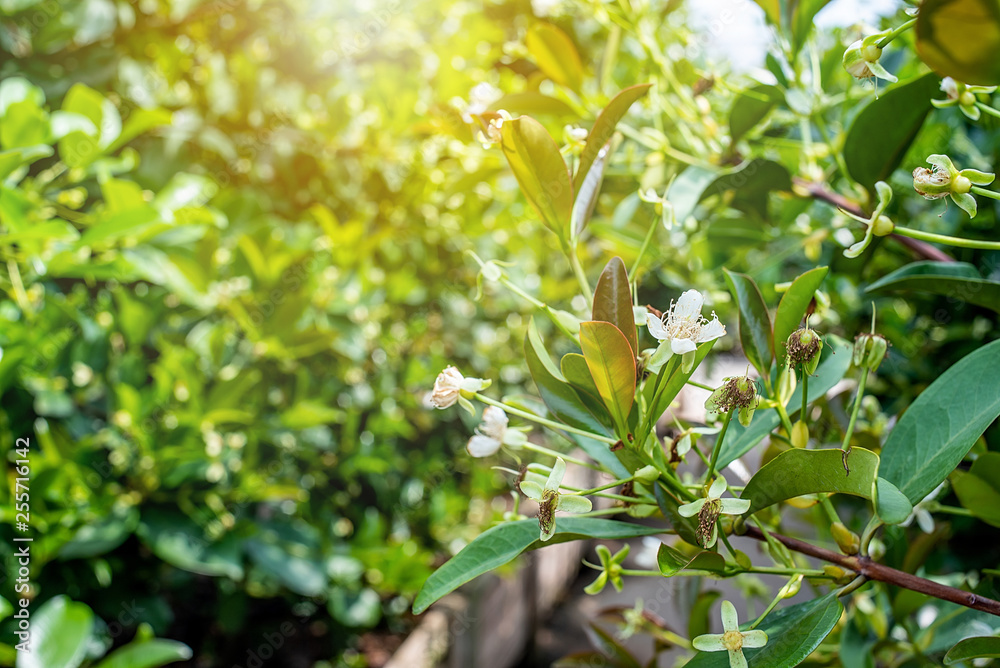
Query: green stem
[605, 511]
[718, 444]
[700, 386]
[767, 610]
[649, 423]
[851, 586]
[543, 421]
[642, 249]
[581, 276]
[831, 512]
[615, 483]
[785, 421]
[882, 43]
[943, 239]
[985, 193]
[951, 510]
[988, 109]
[521, 293]
[542, 450]
[804, 414]
[869, 533]
[854, 413]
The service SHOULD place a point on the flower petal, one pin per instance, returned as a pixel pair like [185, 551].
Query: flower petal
[884, 197]
[604, 554]
[736, 659]
[882, 73]
[655, 327]
[532, 490]
[754, 639]
[730, 620]
[734, 506]
[924, 520]
[943, 104]
[681, 346]
[718, 488]
[547, 530]
[713, 330]
[966, 202]
[482, 446]
[597, 585]
[977, 177]
[688, 305]
[712, 537]
[691, 509]
[859, 247]
[710, 642]
[556, 476]
[971, 111]
[942, 161]
[574, 504]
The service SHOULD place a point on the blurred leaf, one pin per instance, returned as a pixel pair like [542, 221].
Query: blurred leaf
[147, 654]
[610, 647]
[960, 39]
[883, 131]
[751, 107]
[613, 301]
[699, 620]
[555, 54]
[687, 190]
[501, 544]
[973, 648]
[101, 536]
[941, 426]
[799, 472]
[15, 158]
[536, 162]
[25, 124]
[772, 10]
[359, 610]
[793, 306]
[531, 103]
[18, 89]
[979, 488]
[755, 323]
[306, 413]
[803, 15]
[612, 366]
[177, 540]
[955, 280]
[604, 128]
[60, 633]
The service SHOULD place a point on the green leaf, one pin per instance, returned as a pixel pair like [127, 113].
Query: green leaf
[772, 10]
[793, 306]
[613, 301]
[612, 366]
[574, 368]
[538, 166]
[941, 426]
[25, 124]
[560, 398]
[148, 654]
[604, 128]
[18, 89]
[305, 414]
[751, 107]
[687, 190]
[671, 561]
[102, 535]
[740, 440]
[961, 39]
[883, 131]
[798, 472]
[955, 280]
[979, 488]
[980, 647]
[18, 157]
[755, 323]
[60, 633]
[610, 647]
[83, 100]
[793, 634]
[892, 506]
[179, 541]
[533, 103]
[501, 544]
[555, 54]
[802, 20]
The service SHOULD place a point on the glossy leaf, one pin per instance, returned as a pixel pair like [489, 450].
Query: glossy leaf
[961, 39]
[979, 488]
[942, 424]
[503, 543]
[148, 654]
[755, 323]
[980, 647]
[671, 561]
[613, 301]
[604, 128]
[892, 506]
[555, 54]
[793, 306]
[538, 166]
[834, 364]
[60, 634]
[954, 280]
[612, 366]
[560, 398]
[798, 472]
[883, 131]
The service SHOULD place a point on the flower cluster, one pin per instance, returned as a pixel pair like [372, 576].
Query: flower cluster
[962, 96]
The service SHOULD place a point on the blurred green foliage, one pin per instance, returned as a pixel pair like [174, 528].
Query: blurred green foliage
[234, 240]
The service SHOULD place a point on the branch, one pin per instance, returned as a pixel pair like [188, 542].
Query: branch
[819, 191]
[882, 573]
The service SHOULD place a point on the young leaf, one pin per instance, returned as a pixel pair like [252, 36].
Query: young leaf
[960, 39]
[755, 323]
[501, 544]
[957, 280]
[612, 366]
[941, 426]
[555, 54]
[798, 472]
[613, 301]
[538, 166]
[793, 306]
[604, 129]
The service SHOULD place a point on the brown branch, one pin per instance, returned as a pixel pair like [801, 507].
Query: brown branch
[882, 573]
[819, 191]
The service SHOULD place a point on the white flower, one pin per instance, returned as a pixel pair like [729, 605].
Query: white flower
[861, 58]
[708, 511]
[550, 500]
[449, 386]
[681, 329]
[922, 511]
[732, 640]
[493, 432]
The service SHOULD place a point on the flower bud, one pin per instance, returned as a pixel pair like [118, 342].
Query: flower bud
[804, 347]
[839, 575]
[800, 434]
[791, 588]
[647, 474]
[848, 541]
[786, 384]
[736, 392]
[932, 183]
[861, 59]
[869, 351]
